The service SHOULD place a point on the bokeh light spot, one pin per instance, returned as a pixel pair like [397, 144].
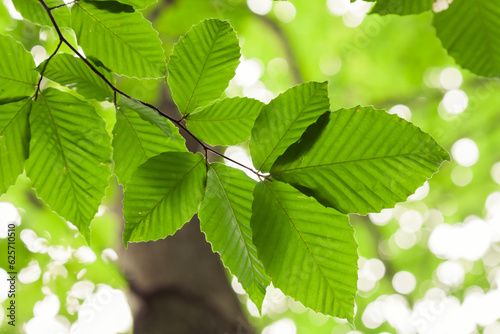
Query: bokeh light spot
[455, 101]
[261, 7]
[381, 218]
[8, 215]
[282, 326]
[411, 221]
[31, 273]
[465, 152]
[450, 273]
[461, 176]
[402, 111]
[450, 78]
[404, 282]
[330, 65]
[495, 172]
[285, 11]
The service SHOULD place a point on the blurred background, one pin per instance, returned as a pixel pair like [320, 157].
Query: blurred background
[430, 265]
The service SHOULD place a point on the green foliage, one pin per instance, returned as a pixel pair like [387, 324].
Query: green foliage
[315, 258]
[401, 7]
[225, 218]
[470, 31]
[73, 72]
[291, 226]
[132, 133]
[69, 164]
[202, 64]
[33, 11]
[14, 141]
[282, 122]
[103, 26]
[162, 195]
[137, 4]
[360, 160]
[225, 122]
[17, 78]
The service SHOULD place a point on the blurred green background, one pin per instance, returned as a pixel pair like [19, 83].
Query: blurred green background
[430, 265]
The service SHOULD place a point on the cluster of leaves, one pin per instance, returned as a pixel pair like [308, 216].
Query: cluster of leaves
[468, 29]
[315, 166]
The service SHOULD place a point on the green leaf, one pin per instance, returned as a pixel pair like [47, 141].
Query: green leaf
[225, 219]
[284, 119]
[225, 122]
[136, 139]
[33, 11]
[360, 160]
[202, 64]
[17, 78]
[470, 32]
[401, 7]
[14, 141]
[308, 250]
[137, 4]
[135, 45]
[70, 156]
[73, 72]
[162, 195]
[152, 116]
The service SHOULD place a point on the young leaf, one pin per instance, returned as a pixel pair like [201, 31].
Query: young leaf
[470, 32]
[282, 122]
[225, 122]
[162, 195]
[14, 141]
[308, 250]
[33, 11]
[151, 116]
[73, 72]
[17, 75]
[360, 160]
[135, 139]
[225, 219]
[102, 27]
[401, 7]
[202, 64]
[70, 156]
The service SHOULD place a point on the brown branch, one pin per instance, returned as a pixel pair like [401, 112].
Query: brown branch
[179, 124]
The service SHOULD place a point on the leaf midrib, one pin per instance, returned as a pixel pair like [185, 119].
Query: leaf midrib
[117, 36]
[237, 224]
[65, 73]
[202, 120]
[202, 69]
[15, 116]
[66, 165]
[486, 34]
[348, 161]
[17, 80]
[306, 245]
[164, 196]
[289, 127]
[134, 131]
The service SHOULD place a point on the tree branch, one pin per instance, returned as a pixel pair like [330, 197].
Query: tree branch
[179, 124]
[45, 67]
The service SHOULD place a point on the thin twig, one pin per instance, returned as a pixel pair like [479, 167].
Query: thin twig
[234, 161]
[63, 5]
[45, 67]
[116, 91]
